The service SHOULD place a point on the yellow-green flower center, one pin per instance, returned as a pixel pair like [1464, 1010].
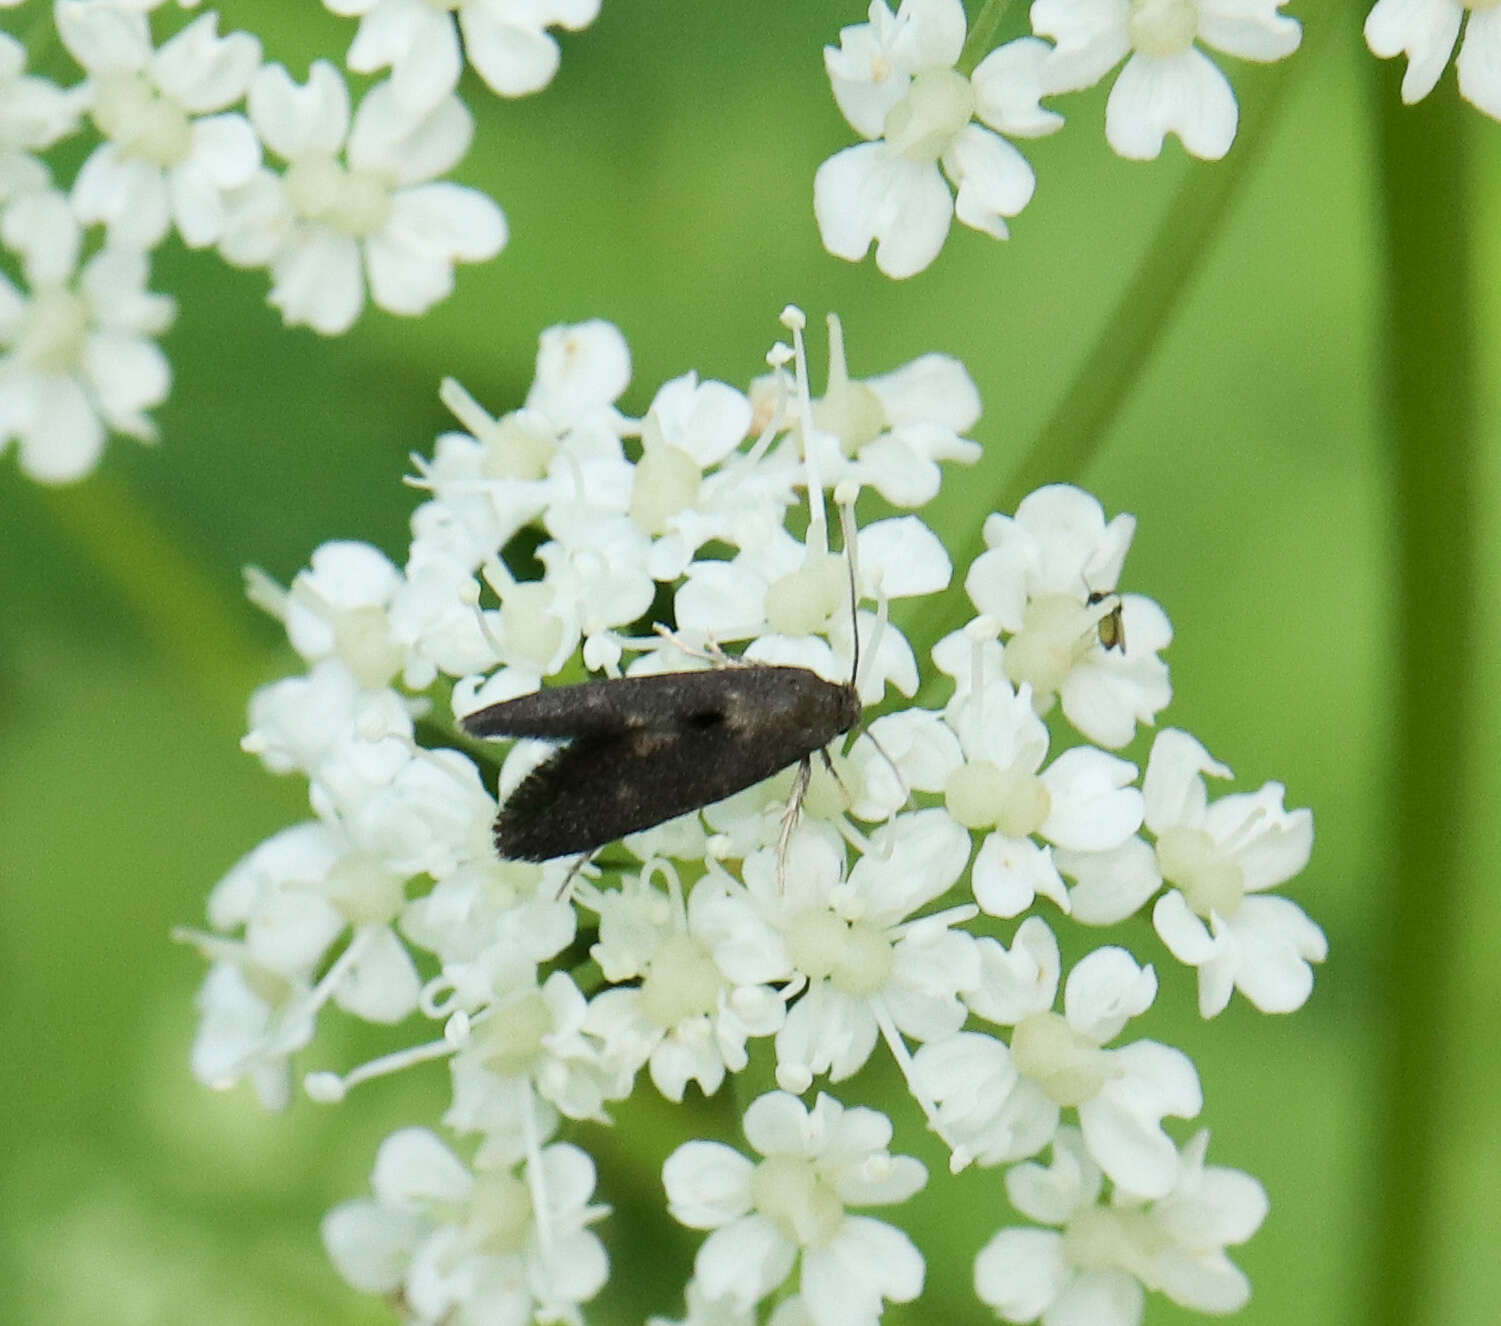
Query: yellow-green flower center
[355, 203]
[1191, 860]
[142, 123]
[1162, 27]
[683, 982]
[788, 1191]
[938, 104]
[1070, 1067]
[854, 956]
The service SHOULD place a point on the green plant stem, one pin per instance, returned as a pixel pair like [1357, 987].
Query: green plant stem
[1431, 380]
[981, 37]
[1080, 424]
[192, 624]
[1078, 427]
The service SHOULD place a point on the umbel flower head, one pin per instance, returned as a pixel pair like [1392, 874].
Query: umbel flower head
[901, 901]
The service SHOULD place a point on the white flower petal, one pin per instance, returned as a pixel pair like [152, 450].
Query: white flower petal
[901, 557]
[1122, 1124]
[708, 1184]
[1105, 990]
[1020, 981]
[1182, 94]
[1251, 29]
[1479, 63]
[512, 58]
[1173, 789]
[387, 139]
[1090, 39]
[867, 195]
[296, 119]
[1277, 942]
[104, 38]
[418, 43]
[1021, 1272]
[370, 1245]
[1009, 873]
[867, 1262]
[1008, 90]
[413, 1167]
[1099, 1298]
[1110, 886]
[1093, 808]
[1423, 30]
[203, 71]
[1185, 934]
[745, 1260]
[382, 985]
[319, 282]
[993, 180]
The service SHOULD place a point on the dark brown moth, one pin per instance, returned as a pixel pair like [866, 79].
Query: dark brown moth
[641, 750]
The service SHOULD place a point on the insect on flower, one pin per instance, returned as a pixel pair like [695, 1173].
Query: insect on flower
[1112, 626]
[642, 750]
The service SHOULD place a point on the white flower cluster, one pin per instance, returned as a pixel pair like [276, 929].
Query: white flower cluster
[905, 84]
[1425, 31]
[566, 528]
[334, 202]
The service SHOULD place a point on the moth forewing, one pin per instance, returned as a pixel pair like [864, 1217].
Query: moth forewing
[642, 750]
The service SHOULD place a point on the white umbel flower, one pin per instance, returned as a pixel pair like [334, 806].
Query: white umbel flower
[34, 114]
[326, 226]
[550, 537]
[686, 1018]
[1168, 84]
[506, 42]
[292, 899]
[892, 430]
[473, 1245]
[1425, 31]
[983, 1108]
[1122, 1094]
[792, 1203]
[1094, 1266]
[562, 445]
[1082, 800]
[895, 81]
[173, 149]
[530, 1040]
[871, 968]
[338, 607]
[79, 355]
[1035, 582]
[1220, 858]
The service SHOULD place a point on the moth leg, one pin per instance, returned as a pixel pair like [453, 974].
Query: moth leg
[566, 887]
[911, 801]
[828, 763]
[789, 817]
[710, 652]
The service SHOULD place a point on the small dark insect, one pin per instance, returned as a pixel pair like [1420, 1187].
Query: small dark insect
[1112, 626]
[641, 750]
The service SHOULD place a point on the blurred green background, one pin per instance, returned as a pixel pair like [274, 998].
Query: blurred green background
[664, 182]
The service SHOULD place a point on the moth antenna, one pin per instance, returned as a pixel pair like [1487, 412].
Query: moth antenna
[818, 518]
[911, 802]
[851, 557]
